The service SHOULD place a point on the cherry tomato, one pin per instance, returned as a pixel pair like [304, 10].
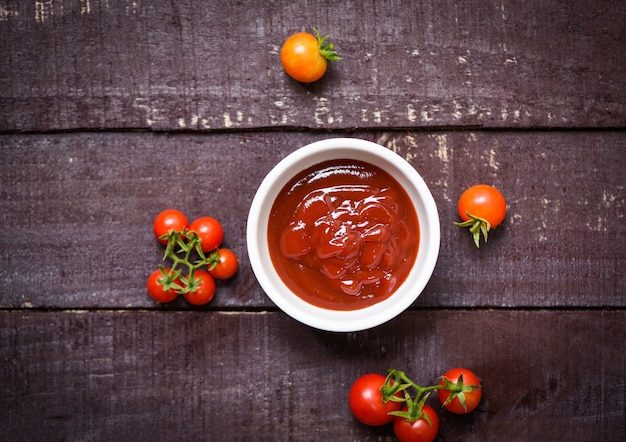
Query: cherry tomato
[227, 265]
[419, 430]
[204, 292]
[481, 207]
[157, 291]
[170, 219]
[305, 57]
[469, 392]
[366, 400]
[210, 232]
[483, 201]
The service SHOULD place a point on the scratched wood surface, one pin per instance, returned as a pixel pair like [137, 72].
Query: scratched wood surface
[79, 207]
[111, 110]
[128, 376]
[187, 65]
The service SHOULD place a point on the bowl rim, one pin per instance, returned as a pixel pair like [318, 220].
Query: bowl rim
[343, 320]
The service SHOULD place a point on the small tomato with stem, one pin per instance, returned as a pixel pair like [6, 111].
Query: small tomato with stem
[163, 285]
[369, 401]
[210, 232]
[422, 428]
[224, 264]
[167, 221]
[305, 57]
[461, 391]
[199, 288]
[481, 207]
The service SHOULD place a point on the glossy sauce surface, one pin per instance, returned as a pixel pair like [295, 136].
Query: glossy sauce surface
[343, 234]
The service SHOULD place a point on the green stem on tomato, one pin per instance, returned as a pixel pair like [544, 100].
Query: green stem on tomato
[328, 50]
[414, 408]
[169, 279]
[401, 382]
[477, 226]
[398, 382]
[179, 249]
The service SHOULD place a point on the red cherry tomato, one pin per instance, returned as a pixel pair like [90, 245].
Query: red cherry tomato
[157, 291]
[227, 265]
[483, 201]
[465, 391]
[419, 430]
[210, 232]
[204, 292]
[305, 57]
[481, 207]
[366, 400]
[168, 220]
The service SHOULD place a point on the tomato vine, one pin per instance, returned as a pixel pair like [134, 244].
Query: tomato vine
[376, 399]
[414, 396]
[195, 258]
[182, 247]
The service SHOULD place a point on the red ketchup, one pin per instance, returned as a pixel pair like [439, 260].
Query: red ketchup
[343, 234]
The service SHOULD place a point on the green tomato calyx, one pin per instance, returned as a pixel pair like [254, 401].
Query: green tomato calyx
[327, 50]
[398, 387]
[184, 250]
[457, 390]
[476, 226]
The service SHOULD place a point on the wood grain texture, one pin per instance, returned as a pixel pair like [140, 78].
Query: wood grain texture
[233, 376]
[112, 110]
[187, 66]
[77, 211]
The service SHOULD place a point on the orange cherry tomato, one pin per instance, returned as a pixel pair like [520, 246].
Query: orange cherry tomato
[305, 57]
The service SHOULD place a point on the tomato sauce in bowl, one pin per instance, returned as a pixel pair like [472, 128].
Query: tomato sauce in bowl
[343, 234]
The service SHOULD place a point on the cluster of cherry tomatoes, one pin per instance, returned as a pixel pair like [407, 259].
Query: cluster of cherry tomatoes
[377, 400]
[196, 258]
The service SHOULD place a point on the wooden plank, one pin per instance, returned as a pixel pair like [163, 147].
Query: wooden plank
[77, 211]
[179, 66]
[237, 376]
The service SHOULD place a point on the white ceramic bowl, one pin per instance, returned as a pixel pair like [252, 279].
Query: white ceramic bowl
[337, 320]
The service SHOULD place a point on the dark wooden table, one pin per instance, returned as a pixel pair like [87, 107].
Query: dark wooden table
[111, 111]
